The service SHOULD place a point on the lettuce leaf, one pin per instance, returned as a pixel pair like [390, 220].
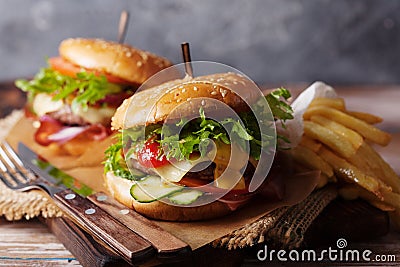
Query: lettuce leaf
[85, 89]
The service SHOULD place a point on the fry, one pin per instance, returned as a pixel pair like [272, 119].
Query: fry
[310, 143]
[311, 160]
[336, 103]
[391, 198]
[380, 167]
[351, 192]
[351, 173]
[331, 139]
[368, 118]
[360, 162]
[355, 139]
[366, 130]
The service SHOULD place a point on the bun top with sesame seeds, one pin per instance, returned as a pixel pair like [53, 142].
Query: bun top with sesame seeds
[183, 97]
[120, 60]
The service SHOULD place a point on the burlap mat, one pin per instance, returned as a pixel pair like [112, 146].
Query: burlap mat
[16, 205]
[285, 226]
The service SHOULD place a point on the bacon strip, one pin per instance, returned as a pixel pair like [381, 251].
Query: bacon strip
[52, 131]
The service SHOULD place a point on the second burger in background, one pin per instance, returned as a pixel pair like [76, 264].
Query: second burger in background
[75, 97]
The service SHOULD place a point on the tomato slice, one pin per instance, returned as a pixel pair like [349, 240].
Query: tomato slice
[151, 155]
[67, 68]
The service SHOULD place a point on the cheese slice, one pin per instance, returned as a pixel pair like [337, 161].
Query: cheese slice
[43, 104]
[227, 173]
[96, 115]
[175, 172]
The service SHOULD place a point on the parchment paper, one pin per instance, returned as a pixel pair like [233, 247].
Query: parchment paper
[88, 169]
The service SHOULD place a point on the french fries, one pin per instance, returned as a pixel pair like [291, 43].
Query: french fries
[380, 167]
[364, 129]
[352, 192]
[336, 103]
[355, 139]
[311, 144]
[311, 160]
[340, 138]
[368, 118]
[350, 173]
[391, 198]
[329, 138]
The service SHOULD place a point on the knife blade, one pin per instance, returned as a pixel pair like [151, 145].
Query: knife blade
[167, 245]
[94, 220]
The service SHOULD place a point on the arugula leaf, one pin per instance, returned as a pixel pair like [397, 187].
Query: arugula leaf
[86, 88]
[195, 135]
[281, 110]
[114, 160]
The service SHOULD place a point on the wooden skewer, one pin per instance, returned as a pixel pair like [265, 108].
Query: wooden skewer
[187, 59]
[123, 26]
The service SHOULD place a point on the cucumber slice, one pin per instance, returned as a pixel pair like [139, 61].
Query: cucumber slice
[151, 188]
[185, 197]
[136, 173]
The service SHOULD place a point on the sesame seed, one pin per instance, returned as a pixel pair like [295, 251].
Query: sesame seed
[214, 86]
[203, 102]
[128, 54]
[139, 63]
[179, 100]
[188, 99]
[183, 90]
[195, 88]
[223, 92]
[235, 82]
[213, 93]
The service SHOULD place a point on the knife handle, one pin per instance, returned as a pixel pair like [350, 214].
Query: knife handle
[103, 227]
[167, 245]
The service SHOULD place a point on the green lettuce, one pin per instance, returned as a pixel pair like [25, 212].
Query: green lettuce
[86, 88]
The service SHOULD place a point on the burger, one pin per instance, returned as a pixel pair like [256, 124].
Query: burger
[179, 155]
[75, 97]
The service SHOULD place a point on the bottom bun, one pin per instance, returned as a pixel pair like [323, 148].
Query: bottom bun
[119, 188]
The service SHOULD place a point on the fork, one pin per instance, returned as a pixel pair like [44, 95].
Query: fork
[87, 215]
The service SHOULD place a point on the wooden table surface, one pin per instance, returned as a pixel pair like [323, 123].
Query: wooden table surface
[30, 243]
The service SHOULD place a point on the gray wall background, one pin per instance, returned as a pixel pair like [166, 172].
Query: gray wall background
[338, 41]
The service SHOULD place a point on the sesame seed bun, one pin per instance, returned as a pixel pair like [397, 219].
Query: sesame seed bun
[120, 60]
[154, 105]
[119, 189]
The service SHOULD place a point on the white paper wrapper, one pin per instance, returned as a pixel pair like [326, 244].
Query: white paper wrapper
[294, 128]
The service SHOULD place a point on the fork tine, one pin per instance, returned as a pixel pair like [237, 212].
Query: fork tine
[17, 175]
[6, 177]
[17, 164]
[12, 153]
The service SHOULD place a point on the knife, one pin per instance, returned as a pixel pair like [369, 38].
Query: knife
[167, 245]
